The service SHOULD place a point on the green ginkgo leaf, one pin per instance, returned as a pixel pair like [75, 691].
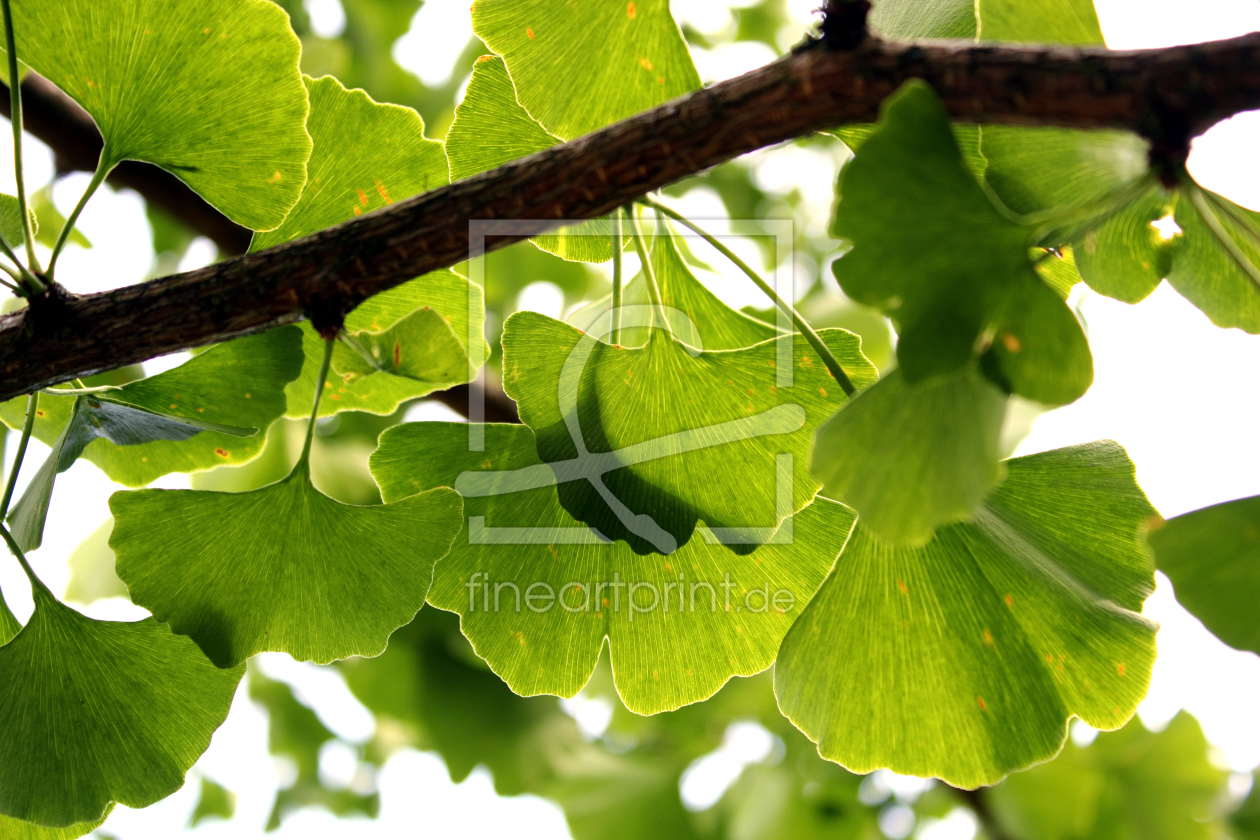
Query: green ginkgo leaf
[932, 251]
[444, 312]
[12, 829]
[207, 89]
[538, 591]
[579, 67]
[1216, 262]
[1038, 21]
[1125, 257]
[906, 19]
[491, 128]
[911, 458]
[9, 625]
[966, 658]
[282, 568]
[635, 437]
[239, 383]
[367, 155]
[97, 712]
[1212, 557]
[93, 417]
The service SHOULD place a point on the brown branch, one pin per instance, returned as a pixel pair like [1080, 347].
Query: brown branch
[1168, 94]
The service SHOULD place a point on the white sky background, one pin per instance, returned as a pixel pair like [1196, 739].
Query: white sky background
[1177, 392]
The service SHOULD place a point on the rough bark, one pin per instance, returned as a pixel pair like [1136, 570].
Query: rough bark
[1168, 95]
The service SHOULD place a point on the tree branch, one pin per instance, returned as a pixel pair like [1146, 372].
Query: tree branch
[1168, 95]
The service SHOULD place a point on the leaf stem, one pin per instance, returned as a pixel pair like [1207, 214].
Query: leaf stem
[103, 168]
[649, 272]
[32, 404]
[615, 335]
[824, 352]
[30, 283]
[304, 461]
[15, 118]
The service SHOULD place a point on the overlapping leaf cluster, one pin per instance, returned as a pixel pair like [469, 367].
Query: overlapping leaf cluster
[699, 490]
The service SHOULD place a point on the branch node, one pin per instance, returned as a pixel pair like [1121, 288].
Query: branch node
[844, 23]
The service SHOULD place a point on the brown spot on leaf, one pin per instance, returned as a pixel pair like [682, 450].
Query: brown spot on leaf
[222, 453]
[1010, 342]
[529, 32]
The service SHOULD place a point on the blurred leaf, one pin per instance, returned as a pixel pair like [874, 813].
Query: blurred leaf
[680, 416]
[42, 207]
[1039, 21]
[12, 829]
[578, 68]
[912, 458]
[1212, 557]
[92, 575]
[11, 222]
[1130, 783]
[244, 573]
[1125, 257]
[906, 19]
[227, 117]
[96, 712]
[294, 732]
[213, 801]
[985, 642]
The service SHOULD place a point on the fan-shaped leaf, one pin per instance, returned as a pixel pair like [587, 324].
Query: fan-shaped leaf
[636, 437]
[12, 829]
[911, 458]
[207, 89]
[1212, 557]
[580, 67]
[932, 251]
[96, 712]
[283, 568]
[538, 592]
[966, 658]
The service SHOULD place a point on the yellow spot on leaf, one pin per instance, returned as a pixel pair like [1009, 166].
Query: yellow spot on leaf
[980, 700]
[1120, 668]
[530, 33]
[1010, 602]
[822, 391]
[901, 584]
[630, 10]
[988, 637]
[1010, 342]
[647, 65]
[276, 177]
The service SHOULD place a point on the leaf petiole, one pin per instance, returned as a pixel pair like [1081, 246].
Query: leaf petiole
[15, 119]
[615, 335]
[32, 405]
[815, 341]
[103, 167]
[321, 381]
[649, 272]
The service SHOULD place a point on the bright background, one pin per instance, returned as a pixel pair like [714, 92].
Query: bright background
[1180, 394]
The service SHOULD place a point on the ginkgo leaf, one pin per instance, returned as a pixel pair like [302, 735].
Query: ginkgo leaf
[697, 316]
[906, 19]
[491, 128]
[12, 829]
[421, 347]
[911, 458]
[636, 436]
[9, 625]
[94, 417]
[239, 383]
[456, 311]
[1125, 257]
[966, 658]
[538, 592]
[1039, 21]
[579, 67]
[930, 249]
[1212, 557]
[97, 712]
[367, 155]
[243, 573]
[207, 89]
[1216, 262]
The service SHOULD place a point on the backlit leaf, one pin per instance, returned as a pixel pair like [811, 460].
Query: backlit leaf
[579, 67]
[249, 572]
[207, 89]
[96, 712]
[911, 458]
[965, 659]
[932, 251]
[538, 592]
[637, 435]
[1212, 557]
